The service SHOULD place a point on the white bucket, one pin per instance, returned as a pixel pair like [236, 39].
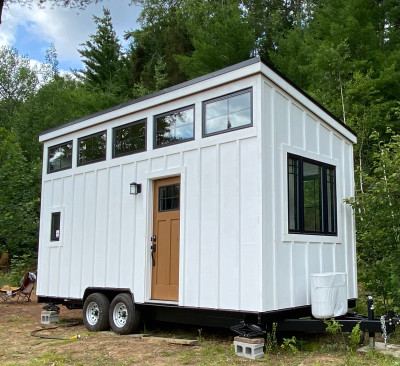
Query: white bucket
[328, 294]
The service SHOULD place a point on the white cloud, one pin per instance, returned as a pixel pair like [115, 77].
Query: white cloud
[66, 28]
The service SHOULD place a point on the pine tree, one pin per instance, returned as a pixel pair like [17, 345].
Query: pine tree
[219, 34]
[102, 56]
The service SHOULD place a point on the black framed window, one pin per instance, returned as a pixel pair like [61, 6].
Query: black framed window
[92, 148]
[174, 127]
[227, 113]
[129, 139]
[312, 196]
[59, 157]
[55, 226]
[168, 198]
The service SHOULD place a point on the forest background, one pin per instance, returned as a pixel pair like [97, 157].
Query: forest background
[343, 53]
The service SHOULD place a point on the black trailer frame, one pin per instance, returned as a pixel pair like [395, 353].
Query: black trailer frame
[385, 325]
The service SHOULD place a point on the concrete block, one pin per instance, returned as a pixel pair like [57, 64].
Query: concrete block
[48, 317]
[252, 348]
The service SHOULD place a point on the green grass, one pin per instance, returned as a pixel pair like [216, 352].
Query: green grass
[48, 358]
[19, 319]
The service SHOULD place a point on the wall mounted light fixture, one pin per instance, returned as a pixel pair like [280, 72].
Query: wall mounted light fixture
[135, 188]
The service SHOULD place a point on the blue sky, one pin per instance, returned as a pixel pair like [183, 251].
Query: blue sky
[32, 30]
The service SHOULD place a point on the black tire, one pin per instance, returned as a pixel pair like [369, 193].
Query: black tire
[95, 312]
[124, 318]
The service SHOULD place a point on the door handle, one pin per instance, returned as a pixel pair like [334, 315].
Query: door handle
[153, 248]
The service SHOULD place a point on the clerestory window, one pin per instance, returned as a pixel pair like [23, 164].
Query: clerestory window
[129, 139]
[59, 157]
[227, 113]
[174, 127]
[92, 148]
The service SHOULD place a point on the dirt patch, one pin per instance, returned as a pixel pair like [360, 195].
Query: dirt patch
[18, 320]
[18, 347]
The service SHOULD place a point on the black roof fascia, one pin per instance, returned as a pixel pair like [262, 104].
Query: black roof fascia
[240, 65]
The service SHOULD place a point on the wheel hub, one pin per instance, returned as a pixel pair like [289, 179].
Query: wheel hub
[120, 315]
[92, 313]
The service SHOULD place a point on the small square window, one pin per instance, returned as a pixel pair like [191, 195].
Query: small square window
[168, 198]
[92, 148]
[59, 157]
[55, 226]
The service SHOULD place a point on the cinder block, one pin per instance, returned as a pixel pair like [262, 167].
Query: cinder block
[48, 317]
[249, 348]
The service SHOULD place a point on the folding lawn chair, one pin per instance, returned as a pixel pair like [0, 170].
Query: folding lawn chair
[24, 291]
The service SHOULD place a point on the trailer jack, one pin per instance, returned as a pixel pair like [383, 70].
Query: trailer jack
[385, 325]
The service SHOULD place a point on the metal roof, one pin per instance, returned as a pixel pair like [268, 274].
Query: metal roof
[194, 81]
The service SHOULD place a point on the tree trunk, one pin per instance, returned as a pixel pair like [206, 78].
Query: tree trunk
[4, 261]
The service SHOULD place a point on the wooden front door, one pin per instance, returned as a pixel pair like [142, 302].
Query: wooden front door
[165, 240]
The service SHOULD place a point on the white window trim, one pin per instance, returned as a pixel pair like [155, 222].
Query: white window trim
[55, 243]
[293, 237]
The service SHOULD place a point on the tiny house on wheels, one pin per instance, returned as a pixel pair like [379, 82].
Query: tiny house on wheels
[210, 202]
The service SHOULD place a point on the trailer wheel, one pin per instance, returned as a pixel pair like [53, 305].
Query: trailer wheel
[95, 312]
[124, 317]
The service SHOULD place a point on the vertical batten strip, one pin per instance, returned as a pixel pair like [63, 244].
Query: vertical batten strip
[307, 270]
[62, 227]
[107, 224]
[82, 239]
[273, 203]
[200, 208]
[134, 227]
[95, 226]
[182, 230]
[239, 218]
[120, 244]
[303, 121]
[72, 230]
[49, 248]
[218, 175]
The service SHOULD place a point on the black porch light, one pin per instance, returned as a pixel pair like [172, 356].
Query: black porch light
[135, 188]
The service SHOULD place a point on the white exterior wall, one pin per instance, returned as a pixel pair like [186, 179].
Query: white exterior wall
[235, 252]
[289, 259]
[105, 231]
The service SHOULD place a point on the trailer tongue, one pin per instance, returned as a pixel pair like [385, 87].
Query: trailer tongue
[385, 325]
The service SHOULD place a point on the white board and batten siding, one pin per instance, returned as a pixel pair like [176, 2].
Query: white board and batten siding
[300, 128]
[235, 250]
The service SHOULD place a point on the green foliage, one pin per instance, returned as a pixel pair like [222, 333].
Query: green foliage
[271, 341]
[19, 266]
[57, 102]
[333, 326]
[160, 80]
[19, 202]
[290, 343]
[219, 34]
[200, 336]
[344, 53]
[18, 80]
[102, 57]
[356, 336]
[378, 221]
[162, 36]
